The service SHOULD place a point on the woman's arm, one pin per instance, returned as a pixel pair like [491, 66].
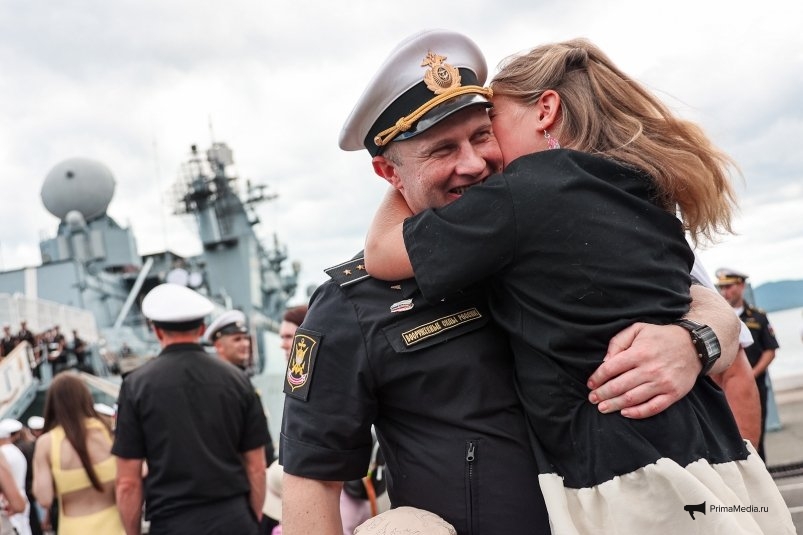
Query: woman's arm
[450, 247]
[385, 254]
[42, 474]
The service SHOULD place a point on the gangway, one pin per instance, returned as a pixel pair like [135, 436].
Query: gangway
[17, 384]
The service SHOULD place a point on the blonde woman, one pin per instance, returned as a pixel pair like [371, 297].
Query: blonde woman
[578, 238]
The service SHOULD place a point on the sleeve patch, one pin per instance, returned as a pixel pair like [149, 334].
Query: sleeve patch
[301, 363]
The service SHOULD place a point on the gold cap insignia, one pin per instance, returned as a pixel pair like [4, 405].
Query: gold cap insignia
[442, 79]
[440, 76]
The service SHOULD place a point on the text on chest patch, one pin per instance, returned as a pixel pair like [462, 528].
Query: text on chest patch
[440, 325]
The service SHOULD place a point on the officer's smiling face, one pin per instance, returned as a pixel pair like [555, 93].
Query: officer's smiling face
[435, 167]
[235, 348]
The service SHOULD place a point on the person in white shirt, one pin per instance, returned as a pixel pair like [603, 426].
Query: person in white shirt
[19, 467]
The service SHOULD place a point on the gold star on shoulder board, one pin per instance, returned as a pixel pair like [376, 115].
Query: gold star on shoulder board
[348, 272]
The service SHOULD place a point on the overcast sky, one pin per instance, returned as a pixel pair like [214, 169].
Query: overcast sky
[134, 83]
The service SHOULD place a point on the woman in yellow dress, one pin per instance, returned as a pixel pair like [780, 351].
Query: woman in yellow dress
[80, 470]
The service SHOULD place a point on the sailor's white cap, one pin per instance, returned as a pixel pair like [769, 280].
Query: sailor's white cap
[230, 322]
[176, 307]
[36, 423]
[9, 426]
[426, 78]
[730, 276]
[103, 409]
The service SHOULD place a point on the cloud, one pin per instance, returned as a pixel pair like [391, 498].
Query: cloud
[134, 84]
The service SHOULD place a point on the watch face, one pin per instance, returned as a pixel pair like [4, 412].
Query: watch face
[712, 347]
[705, 342]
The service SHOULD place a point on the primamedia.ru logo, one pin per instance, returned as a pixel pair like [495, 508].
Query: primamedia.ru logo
[701, 508]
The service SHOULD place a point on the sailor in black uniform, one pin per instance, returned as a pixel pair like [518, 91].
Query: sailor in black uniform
[731, 284]
[198, 423]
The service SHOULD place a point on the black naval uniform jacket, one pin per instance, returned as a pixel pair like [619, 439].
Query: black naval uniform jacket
[437, 383]
[763, 337]
[190, 416]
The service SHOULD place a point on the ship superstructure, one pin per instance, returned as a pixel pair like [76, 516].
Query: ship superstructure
[93, 273]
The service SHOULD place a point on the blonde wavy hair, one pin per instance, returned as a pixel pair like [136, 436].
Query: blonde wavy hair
[605, 112]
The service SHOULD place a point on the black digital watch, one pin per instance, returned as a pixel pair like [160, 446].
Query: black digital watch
[705, 342]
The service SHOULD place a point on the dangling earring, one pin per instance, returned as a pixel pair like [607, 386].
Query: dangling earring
[551, 142]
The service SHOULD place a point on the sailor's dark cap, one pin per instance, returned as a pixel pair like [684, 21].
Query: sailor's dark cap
[729, 276]
[230, 322]
[426, 78]
[175, 307]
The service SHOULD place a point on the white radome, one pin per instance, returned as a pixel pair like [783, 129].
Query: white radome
[78, 184]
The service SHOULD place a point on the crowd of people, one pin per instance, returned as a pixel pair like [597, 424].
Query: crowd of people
[49, 346]
[83, 467]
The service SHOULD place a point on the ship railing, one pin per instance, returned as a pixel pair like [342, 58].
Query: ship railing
[17, 384]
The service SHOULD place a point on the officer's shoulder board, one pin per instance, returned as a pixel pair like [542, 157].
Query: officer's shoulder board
[349, 272]
[755, 309]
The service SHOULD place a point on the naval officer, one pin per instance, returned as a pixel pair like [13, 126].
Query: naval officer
[436, 379]
[198, 424]
[731, 284]
[230, 337]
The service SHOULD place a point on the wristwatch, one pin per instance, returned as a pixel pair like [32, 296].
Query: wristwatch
[705, 342]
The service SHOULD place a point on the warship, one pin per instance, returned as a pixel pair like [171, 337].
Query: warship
[92, 279]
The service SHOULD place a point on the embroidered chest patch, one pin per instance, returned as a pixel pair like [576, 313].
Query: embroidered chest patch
[438, 326]
[301, 363]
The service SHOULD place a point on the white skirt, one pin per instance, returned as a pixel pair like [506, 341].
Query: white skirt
[732, 498]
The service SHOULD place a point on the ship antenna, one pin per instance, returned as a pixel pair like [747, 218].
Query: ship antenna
[157, 178]
[211, 130]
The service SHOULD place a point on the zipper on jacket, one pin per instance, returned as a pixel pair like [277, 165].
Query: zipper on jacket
[471, 483]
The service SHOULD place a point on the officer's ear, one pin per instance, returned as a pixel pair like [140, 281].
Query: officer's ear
[386, 168]
[156, 330]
